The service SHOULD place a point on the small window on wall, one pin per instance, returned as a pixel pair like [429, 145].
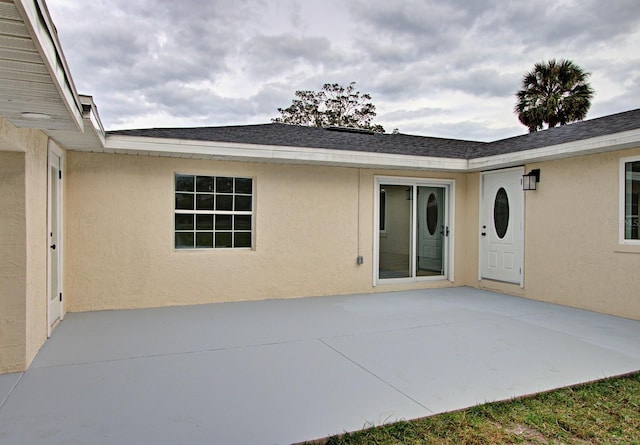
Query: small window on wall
[631, 196]
[213, 212]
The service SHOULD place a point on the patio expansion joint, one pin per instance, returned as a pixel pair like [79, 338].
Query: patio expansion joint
[15, 385]
[375, 375]
[438, 324]
[166, 354]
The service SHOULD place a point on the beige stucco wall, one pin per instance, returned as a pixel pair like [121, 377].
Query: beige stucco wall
[23, 204]
[13, 270]
[572, 253]
[311, 223]
[36, 177]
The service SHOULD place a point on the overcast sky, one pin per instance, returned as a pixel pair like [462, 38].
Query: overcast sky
[433, 67]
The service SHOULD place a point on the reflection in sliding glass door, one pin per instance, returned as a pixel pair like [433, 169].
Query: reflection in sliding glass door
[395, 241]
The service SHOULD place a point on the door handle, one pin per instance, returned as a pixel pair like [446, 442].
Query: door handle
[53, 246]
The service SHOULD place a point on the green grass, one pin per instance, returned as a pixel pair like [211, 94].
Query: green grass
[603, 412]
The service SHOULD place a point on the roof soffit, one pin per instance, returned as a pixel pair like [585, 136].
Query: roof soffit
[33, 72]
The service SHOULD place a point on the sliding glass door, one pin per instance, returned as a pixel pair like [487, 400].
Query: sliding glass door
[395, 237]
[413, 229]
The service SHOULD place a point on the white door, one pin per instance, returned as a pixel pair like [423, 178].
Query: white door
[431, 229]
[501, 226]
[54, 294]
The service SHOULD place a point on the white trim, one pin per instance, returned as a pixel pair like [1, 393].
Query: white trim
[449, 193]
[622, 214]
[185, 148]
[275, 153]
[600, 144]
[212, 212]
[480, 193]
[54, 150]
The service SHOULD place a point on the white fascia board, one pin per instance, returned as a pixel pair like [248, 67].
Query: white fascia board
[277, 153]
[45, 38]
[92, 118]
[600, 144]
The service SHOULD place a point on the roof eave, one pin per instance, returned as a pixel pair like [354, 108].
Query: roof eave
[600, 144]
[38, 21]
[182, 148]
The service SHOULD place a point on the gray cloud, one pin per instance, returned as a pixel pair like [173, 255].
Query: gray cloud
[221, 62]
[400, 115]
[267, 56]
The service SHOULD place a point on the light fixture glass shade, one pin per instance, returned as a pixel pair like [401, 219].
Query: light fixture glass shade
[529, 182]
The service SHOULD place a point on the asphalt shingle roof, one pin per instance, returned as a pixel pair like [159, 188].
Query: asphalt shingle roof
[577, 131]
[403, 144]
[313, 137]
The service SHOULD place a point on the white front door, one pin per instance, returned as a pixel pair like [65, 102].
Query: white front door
[54, 293]
[501, 226]
[431, 229]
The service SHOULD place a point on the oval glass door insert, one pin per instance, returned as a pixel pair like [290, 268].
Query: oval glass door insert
[432, 214]
[501, 213]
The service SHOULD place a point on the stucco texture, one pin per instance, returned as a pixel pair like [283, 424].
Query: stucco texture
[311, 223]
[36, 176]
[23, 250]
[12, 262]
[572, 251]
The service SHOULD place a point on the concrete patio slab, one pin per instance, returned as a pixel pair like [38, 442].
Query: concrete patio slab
[445, 369]
[263, 394]
[284, 371]
[7, 383]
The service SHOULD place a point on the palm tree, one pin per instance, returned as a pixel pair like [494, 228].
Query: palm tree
[555, 93]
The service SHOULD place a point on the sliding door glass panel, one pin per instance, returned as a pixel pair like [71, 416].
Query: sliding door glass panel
[395, 242]
[430, 236]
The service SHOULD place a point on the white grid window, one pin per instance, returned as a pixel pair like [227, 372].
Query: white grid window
[213, 212]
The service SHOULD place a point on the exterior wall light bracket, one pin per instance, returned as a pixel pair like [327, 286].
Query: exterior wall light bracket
[531, 180]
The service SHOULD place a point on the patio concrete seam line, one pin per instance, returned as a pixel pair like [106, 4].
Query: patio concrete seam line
[2, 403]
[167, 354]
[434, 325]
[376, 376]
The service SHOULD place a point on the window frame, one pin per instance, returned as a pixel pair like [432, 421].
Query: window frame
[449, 186]
[195, 211]
[622, 220]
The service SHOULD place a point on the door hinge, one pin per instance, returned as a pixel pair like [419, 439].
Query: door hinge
[59, 174]
[60, 296]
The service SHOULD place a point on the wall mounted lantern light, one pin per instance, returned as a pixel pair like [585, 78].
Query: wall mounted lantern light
[531, 180]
